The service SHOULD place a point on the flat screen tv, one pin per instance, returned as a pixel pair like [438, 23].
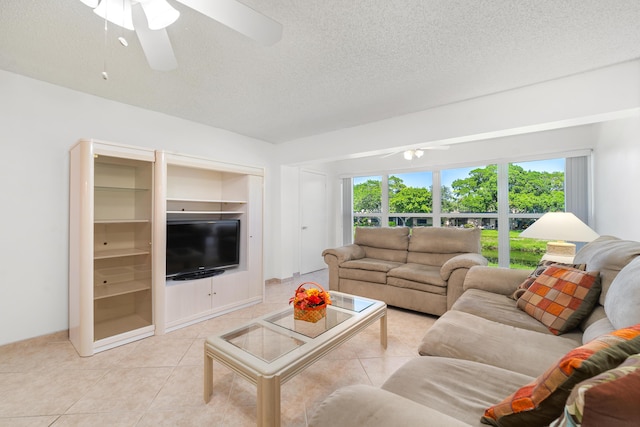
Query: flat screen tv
[201, 248]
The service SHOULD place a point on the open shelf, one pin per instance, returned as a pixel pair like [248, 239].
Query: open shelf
[120, 325]
[118, 253]
[122, 288]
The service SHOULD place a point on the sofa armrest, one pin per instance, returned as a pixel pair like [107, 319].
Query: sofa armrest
[499, 280]
[345, 253]
[461, 261]
[364, 405]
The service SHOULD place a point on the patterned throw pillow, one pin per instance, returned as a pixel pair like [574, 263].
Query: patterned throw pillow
[542, 401]
[542, 266]
[561, 297]
[608, 399]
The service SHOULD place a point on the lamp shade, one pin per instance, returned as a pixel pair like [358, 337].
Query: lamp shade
[560, 226]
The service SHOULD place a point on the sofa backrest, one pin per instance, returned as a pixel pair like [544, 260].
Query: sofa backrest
[608, 255]
[618, 262]
[387, 243]
[436, 245]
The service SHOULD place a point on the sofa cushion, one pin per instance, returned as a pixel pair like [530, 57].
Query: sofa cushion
[608, 399]
[497, 308]
[444, 240]
[459, 388]
[367, 270]
[622, 304]
[542, 266]
[461, 335]
[608, 255]
[561, 297]
[542, 401]
[420, 273]
[384, 243]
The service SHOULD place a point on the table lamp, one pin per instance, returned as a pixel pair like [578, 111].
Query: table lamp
[560, 227]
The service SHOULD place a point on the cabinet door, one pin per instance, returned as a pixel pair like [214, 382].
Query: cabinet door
[254, 220]
[187, 299]
[230, 288]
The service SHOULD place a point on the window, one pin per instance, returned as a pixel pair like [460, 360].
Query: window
[512, 195]
[410, 193]
[367, 200]
[534, 188]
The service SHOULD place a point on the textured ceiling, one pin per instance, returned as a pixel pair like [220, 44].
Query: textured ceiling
[340, 63]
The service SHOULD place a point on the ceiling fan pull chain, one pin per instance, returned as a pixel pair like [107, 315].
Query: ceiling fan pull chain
[121, 39]
[105, 75]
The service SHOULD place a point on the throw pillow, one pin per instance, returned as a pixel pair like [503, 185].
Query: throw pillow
[542, 266]
[608, 399]
[542, 401]
[561, 297]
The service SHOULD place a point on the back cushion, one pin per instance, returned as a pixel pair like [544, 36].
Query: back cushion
[608, 255]
[436, 245]
[622, 304]
[385, 243]
[442, 240]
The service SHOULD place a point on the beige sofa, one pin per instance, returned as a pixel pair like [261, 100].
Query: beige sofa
[485, 348]
[421, 270]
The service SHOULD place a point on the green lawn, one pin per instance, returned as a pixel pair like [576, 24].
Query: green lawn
[525, 253]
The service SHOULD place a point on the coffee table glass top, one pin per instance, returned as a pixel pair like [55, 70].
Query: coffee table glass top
[270, 343]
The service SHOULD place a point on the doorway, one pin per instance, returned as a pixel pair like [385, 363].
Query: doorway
[313, 220]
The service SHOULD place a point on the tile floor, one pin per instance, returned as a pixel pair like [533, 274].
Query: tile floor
[158, 381]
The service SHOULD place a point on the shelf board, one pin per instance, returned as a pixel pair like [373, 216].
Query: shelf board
[126, 189]
[106, 291]
[206, 212]
[117, 253]
[175, 199]
[121, 221]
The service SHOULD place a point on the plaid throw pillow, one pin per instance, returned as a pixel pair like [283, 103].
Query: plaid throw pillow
[542, 266]
[561, 297]
[608, 399]
[542, 401]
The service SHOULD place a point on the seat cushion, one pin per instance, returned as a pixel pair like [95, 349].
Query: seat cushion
[419, 273]
[458, 388]
[498, 308]
[464, 336]
[366, 270]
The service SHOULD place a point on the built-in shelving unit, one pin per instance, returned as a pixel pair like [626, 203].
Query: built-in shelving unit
[120, 200]
[197, 188]
[111, 229]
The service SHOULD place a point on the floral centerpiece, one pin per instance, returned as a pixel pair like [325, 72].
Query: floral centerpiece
[310, 304]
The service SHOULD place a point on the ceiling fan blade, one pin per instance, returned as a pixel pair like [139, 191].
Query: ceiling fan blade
[436, 147]
[155, 43]
[239, 17]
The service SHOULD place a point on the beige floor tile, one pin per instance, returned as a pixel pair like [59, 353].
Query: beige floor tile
[158, 381]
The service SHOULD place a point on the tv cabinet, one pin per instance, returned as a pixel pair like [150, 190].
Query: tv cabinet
[110, 247]
[196, 188]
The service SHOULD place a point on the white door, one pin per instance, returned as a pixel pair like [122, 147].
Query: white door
[313, 220]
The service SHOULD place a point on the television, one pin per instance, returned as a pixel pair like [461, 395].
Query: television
[201, 248]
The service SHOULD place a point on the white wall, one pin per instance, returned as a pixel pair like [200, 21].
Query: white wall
[616, 179]
[38, 124]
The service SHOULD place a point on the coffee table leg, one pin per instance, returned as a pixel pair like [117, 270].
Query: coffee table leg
[383, 330]
[208, 376]
[268, 401]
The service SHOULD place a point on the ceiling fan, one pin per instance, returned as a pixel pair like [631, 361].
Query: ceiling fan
[150, 18]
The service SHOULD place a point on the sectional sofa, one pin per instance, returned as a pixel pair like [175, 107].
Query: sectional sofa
[492, 360]
[422, 270]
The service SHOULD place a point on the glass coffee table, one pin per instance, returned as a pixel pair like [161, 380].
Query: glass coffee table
[270, 350]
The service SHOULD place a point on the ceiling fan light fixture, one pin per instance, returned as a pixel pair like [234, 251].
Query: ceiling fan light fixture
[117, 12]
[91, 3]
[418, 153]
[408, 155]
[159, 13]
